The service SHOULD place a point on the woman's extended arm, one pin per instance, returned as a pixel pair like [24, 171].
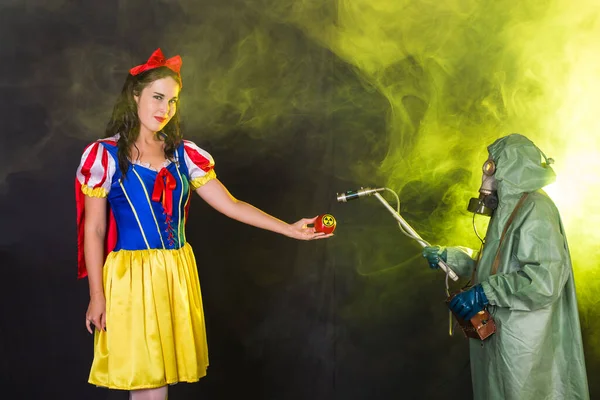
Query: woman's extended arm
[218, 197]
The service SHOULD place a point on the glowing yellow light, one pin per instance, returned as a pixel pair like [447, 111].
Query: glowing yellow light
[577, 184]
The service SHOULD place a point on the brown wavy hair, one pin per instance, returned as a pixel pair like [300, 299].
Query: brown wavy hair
[125, 121]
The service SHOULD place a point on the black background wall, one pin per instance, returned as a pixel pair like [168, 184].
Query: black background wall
[291, 118]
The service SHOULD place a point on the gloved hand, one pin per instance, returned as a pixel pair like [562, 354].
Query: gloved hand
[434, 254]
[468, 303]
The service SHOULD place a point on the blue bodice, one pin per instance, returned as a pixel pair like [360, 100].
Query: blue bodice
[143, 223]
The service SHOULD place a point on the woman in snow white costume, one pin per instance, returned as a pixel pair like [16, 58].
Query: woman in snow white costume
[133, 192]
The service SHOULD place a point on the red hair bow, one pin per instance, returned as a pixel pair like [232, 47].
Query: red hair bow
[157, 59]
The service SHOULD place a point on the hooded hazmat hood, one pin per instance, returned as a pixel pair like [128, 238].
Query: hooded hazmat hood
[520, 166]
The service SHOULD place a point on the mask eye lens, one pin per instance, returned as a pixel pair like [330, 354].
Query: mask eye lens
[489, 167]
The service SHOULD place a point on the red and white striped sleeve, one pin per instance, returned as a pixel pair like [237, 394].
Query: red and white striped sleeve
[96, 170]
[200, 164]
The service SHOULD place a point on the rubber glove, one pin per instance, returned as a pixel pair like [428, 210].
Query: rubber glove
[434, 254]
[468, 303]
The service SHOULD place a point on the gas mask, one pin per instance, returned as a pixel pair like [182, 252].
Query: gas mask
[487, 201]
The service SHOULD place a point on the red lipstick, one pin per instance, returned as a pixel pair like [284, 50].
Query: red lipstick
[160, 119]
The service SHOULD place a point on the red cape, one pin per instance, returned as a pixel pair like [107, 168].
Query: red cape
[111, 234]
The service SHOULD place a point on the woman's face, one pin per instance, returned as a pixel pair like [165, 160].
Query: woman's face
[157, 104]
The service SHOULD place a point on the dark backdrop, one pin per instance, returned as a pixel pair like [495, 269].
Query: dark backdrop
[289, 123]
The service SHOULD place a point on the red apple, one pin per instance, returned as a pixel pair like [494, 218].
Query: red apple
[325, 223]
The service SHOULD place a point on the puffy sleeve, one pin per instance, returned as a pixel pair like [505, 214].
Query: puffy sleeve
[200, 164]
[96, 170]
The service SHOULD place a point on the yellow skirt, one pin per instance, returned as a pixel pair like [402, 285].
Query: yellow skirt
[155, 332]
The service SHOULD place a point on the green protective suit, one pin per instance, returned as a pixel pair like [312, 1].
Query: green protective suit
[537, 351]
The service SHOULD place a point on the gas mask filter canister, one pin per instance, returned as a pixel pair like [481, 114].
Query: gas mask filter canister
[487, 201]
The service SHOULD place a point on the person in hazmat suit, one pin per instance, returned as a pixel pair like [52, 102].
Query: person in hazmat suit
[524, 278]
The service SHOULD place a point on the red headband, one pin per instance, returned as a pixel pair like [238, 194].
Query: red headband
[158, 60]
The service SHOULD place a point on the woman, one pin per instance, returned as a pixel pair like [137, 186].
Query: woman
[145, 300]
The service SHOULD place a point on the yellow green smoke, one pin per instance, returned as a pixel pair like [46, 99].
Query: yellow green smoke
[458, 74]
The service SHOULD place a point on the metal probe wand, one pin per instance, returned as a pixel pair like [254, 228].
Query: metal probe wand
[404, 226]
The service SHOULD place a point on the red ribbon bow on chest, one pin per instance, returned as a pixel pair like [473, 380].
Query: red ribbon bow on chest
[164, 185]
[157, 59]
